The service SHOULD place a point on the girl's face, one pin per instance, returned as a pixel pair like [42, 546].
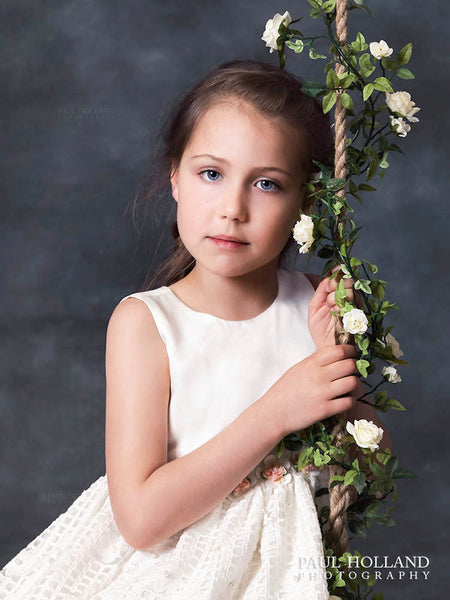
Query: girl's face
[240, 175]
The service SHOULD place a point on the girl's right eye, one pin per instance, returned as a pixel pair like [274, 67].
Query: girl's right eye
[209, 171]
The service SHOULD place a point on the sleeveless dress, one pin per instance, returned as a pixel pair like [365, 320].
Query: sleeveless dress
[262, 542]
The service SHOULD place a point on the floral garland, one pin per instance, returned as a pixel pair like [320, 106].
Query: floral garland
[330, 231]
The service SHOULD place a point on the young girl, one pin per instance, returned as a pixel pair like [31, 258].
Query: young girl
[208, 372]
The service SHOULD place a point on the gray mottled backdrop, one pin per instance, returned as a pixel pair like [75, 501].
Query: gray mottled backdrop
[86, 85]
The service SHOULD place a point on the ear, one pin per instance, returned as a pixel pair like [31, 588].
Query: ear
[174, 184]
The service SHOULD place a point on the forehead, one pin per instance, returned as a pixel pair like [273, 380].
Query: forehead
[238, 130]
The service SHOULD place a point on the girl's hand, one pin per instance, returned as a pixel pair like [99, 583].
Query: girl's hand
[320, 322]
[321, 385]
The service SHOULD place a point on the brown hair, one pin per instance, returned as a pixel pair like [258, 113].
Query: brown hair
[270, 90]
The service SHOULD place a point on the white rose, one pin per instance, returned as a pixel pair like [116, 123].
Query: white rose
[380, 49]
[303, 233]
[270, 34]
[400, 126]
[366, 433]
[401, 103]
[355, 321]
[391, 374]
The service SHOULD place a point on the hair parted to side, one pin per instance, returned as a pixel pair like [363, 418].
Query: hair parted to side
[272, 91]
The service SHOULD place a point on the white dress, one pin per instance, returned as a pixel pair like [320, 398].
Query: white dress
[262, 542]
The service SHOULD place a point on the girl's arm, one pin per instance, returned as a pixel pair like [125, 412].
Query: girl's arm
[152, 499]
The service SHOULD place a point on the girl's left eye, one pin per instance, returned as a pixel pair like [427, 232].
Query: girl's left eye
[209, 171]
[268, 181]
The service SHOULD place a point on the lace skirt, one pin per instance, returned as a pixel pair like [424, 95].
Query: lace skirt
[262, 542]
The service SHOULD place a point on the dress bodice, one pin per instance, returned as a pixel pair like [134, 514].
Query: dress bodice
[219, 367]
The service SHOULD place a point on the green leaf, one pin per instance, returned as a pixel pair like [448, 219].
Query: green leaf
[315, 13]
[371, 266]
[404, 474]
[340, 294]
[367, 91]
[332, 79]
[376, 469]
[382, 84]
[329, 6]
[404, 73]
[362, 365]
[372, 170]
[365, 187]
[346, 101]
[349, 476]
[314, 55]
[384, 455]
[313, 88]
[296, 46]
[326, 252]
[337, 206]
[279, 448]
[394, 404]
[360, 43]
[359, 481]
[329, 100]
[346, 79]
[378, 289]
[388, 64]
[363, 344]
[404, 55]
[320, 459]
[364, 285]
[376, 486]
[365, 65]
[335, 184]
[372, 509]
[305, 458]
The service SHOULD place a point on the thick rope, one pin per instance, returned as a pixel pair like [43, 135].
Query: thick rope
[340, 495]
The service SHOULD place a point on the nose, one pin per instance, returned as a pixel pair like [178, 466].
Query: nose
[234, 203]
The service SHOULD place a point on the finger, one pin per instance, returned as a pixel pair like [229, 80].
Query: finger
[340, 369]
[344, 386]
[340, 405]
[329, 354]
[320, 296]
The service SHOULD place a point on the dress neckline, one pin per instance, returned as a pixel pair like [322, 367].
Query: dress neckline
[230, 321]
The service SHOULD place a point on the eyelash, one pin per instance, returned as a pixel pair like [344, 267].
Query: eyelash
[215, 171]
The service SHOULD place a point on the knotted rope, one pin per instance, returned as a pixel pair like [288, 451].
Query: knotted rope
[340, 495]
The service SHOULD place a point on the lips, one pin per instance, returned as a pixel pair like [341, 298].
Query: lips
[228, 238]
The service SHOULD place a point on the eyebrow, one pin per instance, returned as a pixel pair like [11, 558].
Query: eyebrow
[218, 159]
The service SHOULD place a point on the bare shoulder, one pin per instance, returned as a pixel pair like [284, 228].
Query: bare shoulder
[314, 279]
[137, 399]
[131, 313]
